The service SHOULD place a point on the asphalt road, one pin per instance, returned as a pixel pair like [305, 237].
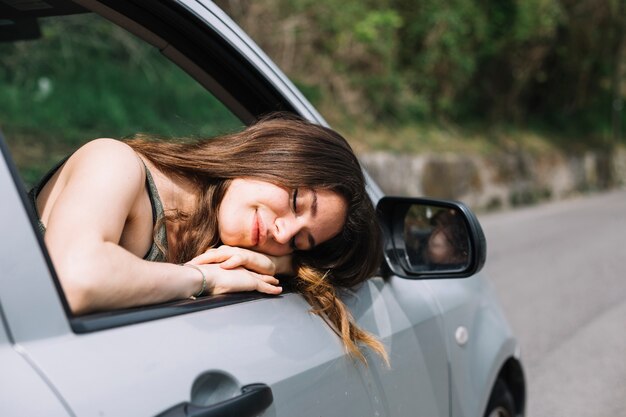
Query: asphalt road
[560, 272]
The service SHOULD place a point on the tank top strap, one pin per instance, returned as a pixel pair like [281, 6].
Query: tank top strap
[34, 192]
[159, 247]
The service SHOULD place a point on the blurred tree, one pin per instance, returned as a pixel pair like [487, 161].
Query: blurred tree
[519, 35]
[555, 63]
[440, 41]
[573, 92]
[616, 80]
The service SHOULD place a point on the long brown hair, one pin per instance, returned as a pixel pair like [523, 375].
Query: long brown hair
[289, 152]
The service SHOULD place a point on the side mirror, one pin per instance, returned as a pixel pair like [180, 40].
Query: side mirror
[430, 238]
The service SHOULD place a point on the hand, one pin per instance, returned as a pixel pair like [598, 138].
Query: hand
[231, 257]
[220, 281]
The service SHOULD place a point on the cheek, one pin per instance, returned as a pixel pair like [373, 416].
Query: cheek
[221, 228]
[225, 227]
[228, 212]
[435, 246]
[435, 256]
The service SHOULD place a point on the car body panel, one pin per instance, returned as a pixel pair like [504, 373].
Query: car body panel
[23, 390]
[159, 362]
[26, 277]
[415, 384]
[471, 303]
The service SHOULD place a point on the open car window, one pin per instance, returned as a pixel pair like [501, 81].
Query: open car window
[84, 78]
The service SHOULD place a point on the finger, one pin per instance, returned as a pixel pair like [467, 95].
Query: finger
[234, 262]
[216, 255]
[211, 256]
[269, 279]
[255, 264]
[268, 288]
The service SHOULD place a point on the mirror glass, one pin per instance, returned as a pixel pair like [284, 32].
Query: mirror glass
[435, 238]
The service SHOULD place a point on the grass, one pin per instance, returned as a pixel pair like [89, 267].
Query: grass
[419, 139]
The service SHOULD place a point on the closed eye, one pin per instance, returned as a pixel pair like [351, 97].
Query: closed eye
[294, 202]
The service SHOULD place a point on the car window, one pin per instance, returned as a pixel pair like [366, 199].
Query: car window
[86, 78]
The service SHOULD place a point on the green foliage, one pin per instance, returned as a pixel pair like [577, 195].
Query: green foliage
[525, 62]
[537, 19]
[439, 45]
[376, 25]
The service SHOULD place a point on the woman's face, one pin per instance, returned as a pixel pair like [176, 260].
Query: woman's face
[276, 221]
[440, 249]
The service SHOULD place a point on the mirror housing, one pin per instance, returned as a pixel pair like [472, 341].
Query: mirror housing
[428, 238]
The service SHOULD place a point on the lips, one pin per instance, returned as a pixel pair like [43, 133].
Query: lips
[258, 233]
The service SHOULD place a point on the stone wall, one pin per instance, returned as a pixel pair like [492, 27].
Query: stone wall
[499, 181]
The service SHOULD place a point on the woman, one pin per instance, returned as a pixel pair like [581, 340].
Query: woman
[143, 222]
[448, 242]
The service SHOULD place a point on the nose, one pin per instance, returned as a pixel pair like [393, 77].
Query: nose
[285, 228]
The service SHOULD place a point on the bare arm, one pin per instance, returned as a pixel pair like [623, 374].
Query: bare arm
[97, 193]
[94, 196]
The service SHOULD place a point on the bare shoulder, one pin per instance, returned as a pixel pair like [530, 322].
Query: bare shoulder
[109, 158]
[105, 150]
[102, 168]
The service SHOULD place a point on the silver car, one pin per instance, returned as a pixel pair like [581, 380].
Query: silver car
[452, 352]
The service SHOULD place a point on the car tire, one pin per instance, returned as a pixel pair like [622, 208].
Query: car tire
[501, 402]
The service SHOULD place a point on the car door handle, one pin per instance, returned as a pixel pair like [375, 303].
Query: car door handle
[254, 399]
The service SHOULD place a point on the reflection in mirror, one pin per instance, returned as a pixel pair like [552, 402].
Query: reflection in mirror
[436, 238]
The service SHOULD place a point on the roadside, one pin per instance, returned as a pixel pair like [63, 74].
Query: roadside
[501, 179]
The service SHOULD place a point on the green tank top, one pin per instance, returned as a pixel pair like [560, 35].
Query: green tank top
[154, 254]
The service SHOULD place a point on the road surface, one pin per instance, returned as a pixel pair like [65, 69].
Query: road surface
[560, 272]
